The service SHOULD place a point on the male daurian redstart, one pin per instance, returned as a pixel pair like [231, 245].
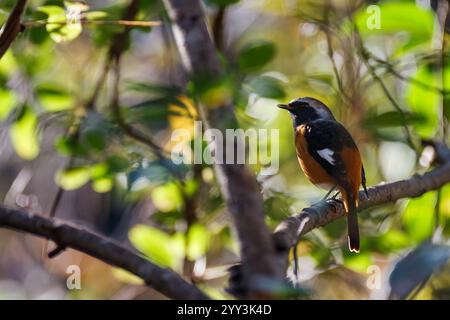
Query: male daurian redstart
[328, 156]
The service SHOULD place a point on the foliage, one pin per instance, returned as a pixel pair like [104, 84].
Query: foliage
[53, 106]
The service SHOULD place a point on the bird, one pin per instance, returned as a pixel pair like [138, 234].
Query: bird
[329, 157]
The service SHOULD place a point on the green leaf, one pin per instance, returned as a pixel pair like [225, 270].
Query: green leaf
[197, 242]
[95, 15]
[424, 102]
[256, 55]
[117, 163]
[357, 262]
[127, 277]
[102, 185]
[157, 245]
[8, 101]
[156, 90]
[167, 197]
[73, 178]
[396, 16]
[95, 139]
[8, 64]
[390, 241]
[268, 87]
[99, 170]
[69, 146]
[54, 98]
[418, 217]
[394, 119]
[222, 3]
[23, 135]
[58, 26]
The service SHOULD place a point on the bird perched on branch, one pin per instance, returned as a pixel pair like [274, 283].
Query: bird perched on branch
[328, 156]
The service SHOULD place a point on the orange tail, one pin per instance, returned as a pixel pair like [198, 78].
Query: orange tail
[352, 221]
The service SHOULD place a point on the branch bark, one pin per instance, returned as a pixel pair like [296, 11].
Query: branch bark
[12, 27]
[289, 231]
[238, 184]
[66, 235]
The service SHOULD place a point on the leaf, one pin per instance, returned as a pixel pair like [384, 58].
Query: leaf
[127, 277]
[222, 3]
[268, 87]
[167, 197]
[69, 146]
[390, 241]
[73, 178]
[418, 217]
[117, 163]
[394, 119]
[424, 102]
[8, 64]
[157, 245]
[102, 185]
[156, 90]
[8, 101]
[54, 98]
[396, 16]
[197, 242]
[23, 135]
[95, 139]
[416, 268]
[94, 15]
[256, 55]
[357, 262]
[58, 26]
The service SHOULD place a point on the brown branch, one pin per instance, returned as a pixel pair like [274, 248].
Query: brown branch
[12, 27]
[66, 235]
[237, 183]
[289, 231]
[218, 28]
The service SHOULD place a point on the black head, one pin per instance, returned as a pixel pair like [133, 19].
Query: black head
[304, 110]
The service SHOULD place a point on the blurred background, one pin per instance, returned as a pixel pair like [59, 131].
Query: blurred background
[379, 65]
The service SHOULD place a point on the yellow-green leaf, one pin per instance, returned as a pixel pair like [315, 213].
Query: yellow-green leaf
[73, 178]
[197, 241]
[60, 27]
[102, 185]
[127, 277]
[53, 98]
[418, 217]
[154, 243]
[167, 197]
[24, 135]
[8, 100]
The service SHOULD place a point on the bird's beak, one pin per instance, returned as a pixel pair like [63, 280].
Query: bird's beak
[284, 106]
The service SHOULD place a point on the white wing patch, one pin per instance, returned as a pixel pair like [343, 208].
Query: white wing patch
[327, 154]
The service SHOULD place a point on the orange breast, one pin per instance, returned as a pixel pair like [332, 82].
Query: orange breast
[312, 169]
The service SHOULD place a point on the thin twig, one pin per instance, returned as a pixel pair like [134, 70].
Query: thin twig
[127, 23]
[365, 57]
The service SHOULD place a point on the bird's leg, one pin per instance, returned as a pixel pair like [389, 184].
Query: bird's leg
[335, 195]
[328, 194]
[325, 198]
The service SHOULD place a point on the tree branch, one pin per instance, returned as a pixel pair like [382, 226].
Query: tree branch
[237, 183]
[12, 27]
[289, 231]
[66, 235]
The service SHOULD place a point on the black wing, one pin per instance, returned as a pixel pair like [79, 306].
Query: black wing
[332, 137]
